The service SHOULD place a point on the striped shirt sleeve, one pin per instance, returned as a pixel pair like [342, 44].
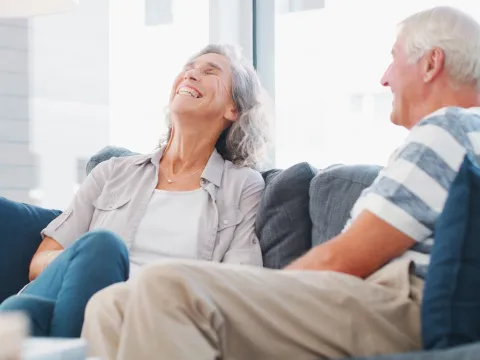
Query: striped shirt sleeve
[411, 191]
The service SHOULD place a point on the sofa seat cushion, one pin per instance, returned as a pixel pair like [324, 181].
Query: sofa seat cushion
[451, 303]
[283, 223]
[20, 228]
[333, 192]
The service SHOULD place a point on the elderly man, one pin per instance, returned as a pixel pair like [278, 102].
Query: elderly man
[358, 294]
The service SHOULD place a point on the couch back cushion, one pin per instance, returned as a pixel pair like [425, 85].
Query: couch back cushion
[20, 228]
[333, 192]
[283, 223]
[451, 302]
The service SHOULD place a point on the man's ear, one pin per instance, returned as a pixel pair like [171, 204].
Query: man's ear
[434, 63]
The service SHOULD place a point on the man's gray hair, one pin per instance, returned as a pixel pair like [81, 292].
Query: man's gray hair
[244, 142]
[452, 30]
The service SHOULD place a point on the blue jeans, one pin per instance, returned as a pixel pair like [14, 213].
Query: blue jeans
[56, 300]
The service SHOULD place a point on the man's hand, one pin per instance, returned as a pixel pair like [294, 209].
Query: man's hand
[309, 261]
[362, 249]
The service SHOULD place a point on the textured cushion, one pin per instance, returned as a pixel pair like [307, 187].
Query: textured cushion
[333, 192]
[20, 228]
[451, 303]
[283, 224]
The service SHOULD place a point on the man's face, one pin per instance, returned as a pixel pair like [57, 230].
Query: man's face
[405, 80]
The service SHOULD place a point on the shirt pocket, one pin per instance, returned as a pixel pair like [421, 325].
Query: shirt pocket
[107, 206]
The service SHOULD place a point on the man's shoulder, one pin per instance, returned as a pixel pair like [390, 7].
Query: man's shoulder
[453, 120]
[448, 131]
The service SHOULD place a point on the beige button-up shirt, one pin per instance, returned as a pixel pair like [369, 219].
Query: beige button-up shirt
[116, 193]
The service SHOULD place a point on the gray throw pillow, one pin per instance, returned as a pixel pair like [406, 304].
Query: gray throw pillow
[333, 192]
[283, 223]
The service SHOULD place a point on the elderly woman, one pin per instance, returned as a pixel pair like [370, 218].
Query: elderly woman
[196, 197]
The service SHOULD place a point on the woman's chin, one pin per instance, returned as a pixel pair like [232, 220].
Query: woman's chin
[183, 107]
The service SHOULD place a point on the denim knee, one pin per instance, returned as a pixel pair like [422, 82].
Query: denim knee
[38, 309]
[102, 242]
[25, 302]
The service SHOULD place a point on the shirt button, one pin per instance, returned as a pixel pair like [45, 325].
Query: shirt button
[225, 222]
[202, 181]
[254, 241]
[110, 207]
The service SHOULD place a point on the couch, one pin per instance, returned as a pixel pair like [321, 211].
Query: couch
[301, 207]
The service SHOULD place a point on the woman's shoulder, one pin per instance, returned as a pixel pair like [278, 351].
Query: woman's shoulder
[245, 173]
[115, 165]
[135, 159]
[110, 155]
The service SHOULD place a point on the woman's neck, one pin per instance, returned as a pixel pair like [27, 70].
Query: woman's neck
[187, 151]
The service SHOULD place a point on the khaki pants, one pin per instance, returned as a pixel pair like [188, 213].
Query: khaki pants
[196, 310]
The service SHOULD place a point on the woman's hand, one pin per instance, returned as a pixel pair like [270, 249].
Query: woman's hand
[48, 250]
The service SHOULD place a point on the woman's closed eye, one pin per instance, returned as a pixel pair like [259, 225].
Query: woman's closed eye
[210, 71]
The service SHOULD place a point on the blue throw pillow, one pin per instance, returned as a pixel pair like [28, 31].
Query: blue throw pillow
[451, 303]
[20, 226]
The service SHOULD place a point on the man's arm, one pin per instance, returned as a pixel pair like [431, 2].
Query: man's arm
[362, 249]
[401, 206]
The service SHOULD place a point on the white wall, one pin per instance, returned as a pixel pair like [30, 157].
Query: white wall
[144, 63]
[69, 97]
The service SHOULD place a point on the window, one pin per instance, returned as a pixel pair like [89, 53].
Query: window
[73, 83]
[328, 59]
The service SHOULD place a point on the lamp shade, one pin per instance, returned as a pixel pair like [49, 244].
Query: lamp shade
[29, 8]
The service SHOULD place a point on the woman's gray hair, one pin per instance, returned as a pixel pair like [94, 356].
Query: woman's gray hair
[244, 143]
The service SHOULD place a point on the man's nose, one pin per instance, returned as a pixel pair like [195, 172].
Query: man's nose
[384, 80]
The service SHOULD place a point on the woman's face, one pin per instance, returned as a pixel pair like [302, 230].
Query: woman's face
[203, 89]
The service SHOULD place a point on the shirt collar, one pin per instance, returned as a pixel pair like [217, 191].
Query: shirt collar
[213, 171]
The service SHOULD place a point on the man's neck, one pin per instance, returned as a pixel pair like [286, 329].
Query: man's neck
[464, 97]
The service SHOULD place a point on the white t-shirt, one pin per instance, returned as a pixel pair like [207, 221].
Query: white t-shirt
[169, 228]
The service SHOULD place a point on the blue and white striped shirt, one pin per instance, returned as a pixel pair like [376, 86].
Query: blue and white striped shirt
[411, 191]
